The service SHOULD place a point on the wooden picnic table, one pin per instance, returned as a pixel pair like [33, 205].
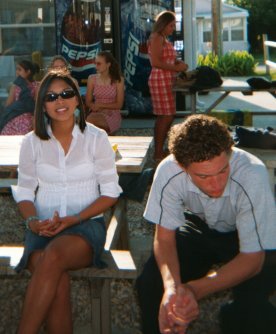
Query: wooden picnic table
[130, 157]
[229, 85]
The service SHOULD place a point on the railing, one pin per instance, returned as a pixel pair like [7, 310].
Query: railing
[266, 45]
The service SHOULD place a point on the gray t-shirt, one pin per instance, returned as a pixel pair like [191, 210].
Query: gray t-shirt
[247, 203]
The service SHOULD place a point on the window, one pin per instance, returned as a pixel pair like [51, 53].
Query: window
[236, 26]
[27, 26]
[207, 28]
[225, 31]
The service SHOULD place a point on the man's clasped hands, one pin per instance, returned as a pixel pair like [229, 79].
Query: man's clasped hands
[178, 308]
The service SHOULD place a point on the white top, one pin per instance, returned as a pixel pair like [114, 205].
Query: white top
[66, 183]
[247, 203]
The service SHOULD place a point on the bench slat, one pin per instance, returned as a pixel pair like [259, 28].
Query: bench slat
[6, 183]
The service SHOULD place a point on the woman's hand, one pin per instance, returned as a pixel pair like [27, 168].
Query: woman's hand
[50, 227]
[53, 226]
[95, 107]
[181, 66]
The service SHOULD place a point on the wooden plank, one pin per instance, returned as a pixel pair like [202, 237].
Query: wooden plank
[131, 150]
[115, 225]
[5, 185]
[119, 265]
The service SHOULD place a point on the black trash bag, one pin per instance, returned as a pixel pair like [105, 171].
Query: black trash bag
[206, 77]
[259, 83]
[255, 138]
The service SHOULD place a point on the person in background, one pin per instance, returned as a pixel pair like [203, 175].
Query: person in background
[59, 63]
[215, 222]
[67, 179]
[105, 93]
[17, 116]
[164, 67]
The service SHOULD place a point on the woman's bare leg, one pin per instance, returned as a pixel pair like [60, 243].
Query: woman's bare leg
[162, 126]
[45, 288]
[59, 318]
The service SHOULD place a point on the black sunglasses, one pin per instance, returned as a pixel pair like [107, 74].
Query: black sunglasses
[65, 94]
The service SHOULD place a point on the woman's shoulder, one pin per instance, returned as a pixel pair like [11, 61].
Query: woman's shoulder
[156, 36]
[93, 77]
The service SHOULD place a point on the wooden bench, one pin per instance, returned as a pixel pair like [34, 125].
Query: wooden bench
[120, 265]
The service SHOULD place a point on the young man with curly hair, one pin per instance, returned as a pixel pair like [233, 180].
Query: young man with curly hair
[212, 205]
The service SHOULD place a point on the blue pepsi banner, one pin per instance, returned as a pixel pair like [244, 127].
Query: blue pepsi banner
[137, 18]
[79, 37]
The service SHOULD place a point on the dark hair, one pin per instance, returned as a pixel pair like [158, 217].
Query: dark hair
[29, 66]
[59, 57]
[114, 69]
[199, 138]
[40, 125]
[162, 20]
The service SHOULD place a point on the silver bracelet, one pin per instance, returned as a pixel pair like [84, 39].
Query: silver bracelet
[28, 220]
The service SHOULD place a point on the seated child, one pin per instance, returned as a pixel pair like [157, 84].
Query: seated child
[17, 116]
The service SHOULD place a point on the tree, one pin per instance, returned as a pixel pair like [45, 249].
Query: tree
[261, 20]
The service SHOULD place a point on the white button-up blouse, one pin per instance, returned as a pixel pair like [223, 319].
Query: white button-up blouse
[66, 183]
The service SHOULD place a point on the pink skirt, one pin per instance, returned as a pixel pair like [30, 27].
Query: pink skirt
[19, 125]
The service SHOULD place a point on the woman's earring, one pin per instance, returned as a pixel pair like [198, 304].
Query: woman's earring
[77, 113]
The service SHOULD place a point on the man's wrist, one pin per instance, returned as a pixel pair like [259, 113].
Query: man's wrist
[191, 288]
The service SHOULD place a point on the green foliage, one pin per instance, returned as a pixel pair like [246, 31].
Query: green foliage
[233, 63]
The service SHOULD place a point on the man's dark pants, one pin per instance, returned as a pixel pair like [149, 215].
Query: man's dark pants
[199, 248]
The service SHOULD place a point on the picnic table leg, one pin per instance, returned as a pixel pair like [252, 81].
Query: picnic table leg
[124, 236]
[214, 104]
[193, 103]
[95, 293]
[100, 306]
[106, 308]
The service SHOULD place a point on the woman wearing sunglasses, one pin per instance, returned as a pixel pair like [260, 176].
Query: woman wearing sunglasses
[67, 179]
[105, 93]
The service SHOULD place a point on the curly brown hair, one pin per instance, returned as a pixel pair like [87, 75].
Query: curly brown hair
[199, 138]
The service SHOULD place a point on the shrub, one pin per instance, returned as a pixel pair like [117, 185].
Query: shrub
[233, 63]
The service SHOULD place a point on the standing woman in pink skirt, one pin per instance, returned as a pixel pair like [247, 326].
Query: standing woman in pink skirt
[164, 67]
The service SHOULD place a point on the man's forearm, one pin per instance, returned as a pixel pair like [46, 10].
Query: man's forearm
[167, 261]
[238, 270]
